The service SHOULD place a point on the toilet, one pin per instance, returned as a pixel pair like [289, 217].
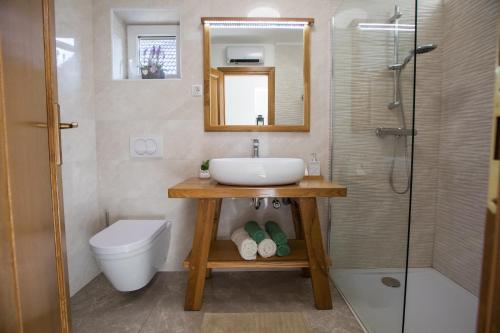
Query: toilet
[130, 252]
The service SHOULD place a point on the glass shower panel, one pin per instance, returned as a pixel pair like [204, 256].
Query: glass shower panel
[371, 150]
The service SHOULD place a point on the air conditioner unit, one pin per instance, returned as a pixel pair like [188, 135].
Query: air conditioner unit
[245, 55]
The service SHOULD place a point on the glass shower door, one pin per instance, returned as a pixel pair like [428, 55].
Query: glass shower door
[371, 153]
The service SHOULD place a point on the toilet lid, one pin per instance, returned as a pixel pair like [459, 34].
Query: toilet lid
[126, 235]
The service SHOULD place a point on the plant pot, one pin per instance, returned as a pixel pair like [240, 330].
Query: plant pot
[151, 76]
[204, 174]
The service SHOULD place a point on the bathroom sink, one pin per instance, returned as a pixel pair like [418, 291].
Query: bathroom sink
[257, 171]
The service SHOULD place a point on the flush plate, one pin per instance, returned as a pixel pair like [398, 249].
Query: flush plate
[147, 146]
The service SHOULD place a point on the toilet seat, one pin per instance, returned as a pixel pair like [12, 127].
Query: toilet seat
[125, 236]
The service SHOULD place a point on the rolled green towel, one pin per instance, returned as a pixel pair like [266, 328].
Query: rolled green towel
[277, 235]
[255, 231]
[283, 250]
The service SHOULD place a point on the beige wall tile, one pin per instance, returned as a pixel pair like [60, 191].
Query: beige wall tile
[135, 188]
[469, 48]
[370, 226]
[79, 170]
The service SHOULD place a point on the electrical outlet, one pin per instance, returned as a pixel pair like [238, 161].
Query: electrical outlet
[196, 90]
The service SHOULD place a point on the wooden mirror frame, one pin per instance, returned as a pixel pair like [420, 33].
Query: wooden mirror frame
[305, 127]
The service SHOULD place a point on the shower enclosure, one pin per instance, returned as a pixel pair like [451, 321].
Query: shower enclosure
[389, 138]
[371, 152]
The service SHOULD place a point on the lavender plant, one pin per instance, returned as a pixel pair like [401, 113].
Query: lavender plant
[152, 68]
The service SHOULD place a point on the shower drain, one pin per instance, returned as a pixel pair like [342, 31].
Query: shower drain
[391, 282]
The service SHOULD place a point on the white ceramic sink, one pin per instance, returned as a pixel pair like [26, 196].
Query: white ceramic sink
[257, 171]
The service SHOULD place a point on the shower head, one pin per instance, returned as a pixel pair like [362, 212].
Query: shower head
[419, 50]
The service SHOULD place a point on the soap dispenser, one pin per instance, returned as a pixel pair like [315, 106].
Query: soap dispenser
[314, 166]
[260, 120]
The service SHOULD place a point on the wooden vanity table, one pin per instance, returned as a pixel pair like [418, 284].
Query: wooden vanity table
[307, 250]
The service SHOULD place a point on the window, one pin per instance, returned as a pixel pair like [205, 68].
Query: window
[162, 49]
[153, 51]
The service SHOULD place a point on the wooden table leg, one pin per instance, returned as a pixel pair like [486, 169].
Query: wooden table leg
[215, 228]
[299, 230]
[317, 259]
[199, 253]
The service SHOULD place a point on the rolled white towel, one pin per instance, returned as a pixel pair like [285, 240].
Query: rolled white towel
[267, 247]
[246, 245]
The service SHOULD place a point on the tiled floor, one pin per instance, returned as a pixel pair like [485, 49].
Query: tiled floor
[159, 306]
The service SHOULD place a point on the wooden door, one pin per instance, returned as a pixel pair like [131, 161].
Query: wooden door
[217, 111]
[33, 288]
[488, 319]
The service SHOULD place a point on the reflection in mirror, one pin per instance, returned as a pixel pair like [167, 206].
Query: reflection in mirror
[247, 95]
[256, 77]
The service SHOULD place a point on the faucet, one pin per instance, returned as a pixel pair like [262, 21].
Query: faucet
[255, 145]
[256, 203]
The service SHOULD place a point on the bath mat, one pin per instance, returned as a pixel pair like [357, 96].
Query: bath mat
[265, 322]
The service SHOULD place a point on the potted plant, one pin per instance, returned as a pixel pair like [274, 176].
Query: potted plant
[204, 173]
[152, 68]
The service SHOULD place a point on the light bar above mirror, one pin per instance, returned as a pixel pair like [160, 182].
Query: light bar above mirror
[257, 22]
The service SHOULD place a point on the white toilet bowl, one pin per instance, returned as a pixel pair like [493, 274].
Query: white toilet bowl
[129, 252]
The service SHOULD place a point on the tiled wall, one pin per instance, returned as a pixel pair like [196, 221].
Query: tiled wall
[115, 110]
[469, 47]
[131, 188]
[289, 84]
[454, 103]
[427, 122]
[79, 170]
[370, 228]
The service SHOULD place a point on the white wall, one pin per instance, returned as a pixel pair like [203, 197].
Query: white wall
[75, 73]
[137, 188]
[119, 45]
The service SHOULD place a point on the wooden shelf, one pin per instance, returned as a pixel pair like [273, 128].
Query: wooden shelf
[224, 254]
[309, 187]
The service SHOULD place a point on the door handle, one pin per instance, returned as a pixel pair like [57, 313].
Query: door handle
[54, 131]
[73, 124]
[68, 125]
[57, 135]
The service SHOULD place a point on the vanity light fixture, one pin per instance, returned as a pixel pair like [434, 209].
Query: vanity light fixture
[256, 23]
[386, 27]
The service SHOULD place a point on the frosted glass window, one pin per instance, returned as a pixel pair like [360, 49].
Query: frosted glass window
[165, 48]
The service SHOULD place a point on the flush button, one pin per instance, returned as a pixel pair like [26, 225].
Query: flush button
[151, 146]
[146, 146]
[139, 146]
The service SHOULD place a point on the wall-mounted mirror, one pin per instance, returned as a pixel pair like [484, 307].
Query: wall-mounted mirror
[257, 74]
